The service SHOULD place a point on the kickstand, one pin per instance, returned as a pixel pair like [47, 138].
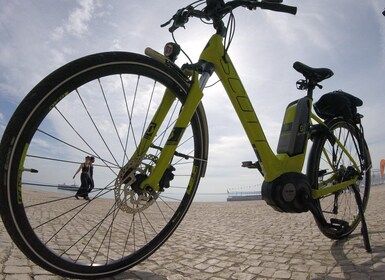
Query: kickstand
[364, 228]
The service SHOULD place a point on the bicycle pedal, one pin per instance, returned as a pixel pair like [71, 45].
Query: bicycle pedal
[249, 164]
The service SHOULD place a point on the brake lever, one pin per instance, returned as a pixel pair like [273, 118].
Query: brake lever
[179, 19]
[166, 23]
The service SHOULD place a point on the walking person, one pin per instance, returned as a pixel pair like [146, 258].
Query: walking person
[91, 177]
[84, 179]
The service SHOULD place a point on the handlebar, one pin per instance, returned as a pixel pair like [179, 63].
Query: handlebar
[278, 7]
[273, 5]
[215, 10]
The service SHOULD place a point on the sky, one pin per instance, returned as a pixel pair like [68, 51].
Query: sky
[38, 36]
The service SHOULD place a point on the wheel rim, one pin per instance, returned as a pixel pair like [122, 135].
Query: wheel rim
[102, 232]
[340, 209]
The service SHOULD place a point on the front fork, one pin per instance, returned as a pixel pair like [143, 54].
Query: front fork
[193, 99]
[194, 96]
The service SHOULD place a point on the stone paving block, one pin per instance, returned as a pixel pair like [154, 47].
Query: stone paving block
[13, 269]
[17, 277]
[282, 274]
[243, 240]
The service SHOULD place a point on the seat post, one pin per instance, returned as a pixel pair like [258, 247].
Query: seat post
[310, 88]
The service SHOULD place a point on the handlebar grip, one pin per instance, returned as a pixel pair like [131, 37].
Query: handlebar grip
[278, 8]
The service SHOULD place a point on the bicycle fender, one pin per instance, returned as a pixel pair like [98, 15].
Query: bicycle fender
[170, 65]
[321, 129]
[205, 132]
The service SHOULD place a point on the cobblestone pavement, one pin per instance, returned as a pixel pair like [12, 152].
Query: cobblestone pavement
[244, 240]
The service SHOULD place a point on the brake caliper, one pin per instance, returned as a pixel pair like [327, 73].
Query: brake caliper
[167, 177]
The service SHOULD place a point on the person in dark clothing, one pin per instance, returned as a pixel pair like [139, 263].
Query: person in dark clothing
[91, 177]
[84, 179]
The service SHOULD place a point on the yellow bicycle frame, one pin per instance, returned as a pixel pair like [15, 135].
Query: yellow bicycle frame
[272, 165]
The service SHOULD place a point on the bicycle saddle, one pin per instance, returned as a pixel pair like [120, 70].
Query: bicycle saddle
[310, 73]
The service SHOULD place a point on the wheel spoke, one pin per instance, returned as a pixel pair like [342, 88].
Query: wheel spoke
[333, 166]
[102, 109]
[96, 127]
[112, 118]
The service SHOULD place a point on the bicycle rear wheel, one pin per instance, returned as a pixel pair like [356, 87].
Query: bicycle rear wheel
[99, 105]
[328, 165]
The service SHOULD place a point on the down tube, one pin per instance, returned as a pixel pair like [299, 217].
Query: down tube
[272, 167]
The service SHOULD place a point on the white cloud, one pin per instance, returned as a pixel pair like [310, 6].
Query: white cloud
[58, 33]
[324, 33]
[78, 20]
[293, 33]
[378, 8]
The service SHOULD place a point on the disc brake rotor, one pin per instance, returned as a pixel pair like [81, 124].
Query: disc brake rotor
[129, 196]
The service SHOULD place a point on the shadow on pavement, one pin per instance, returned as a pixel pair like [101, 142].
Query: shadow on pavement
[348, 262]
[135, 275]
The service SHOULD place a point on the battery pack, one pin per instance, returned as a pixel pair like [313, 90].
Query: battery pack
[295, 127]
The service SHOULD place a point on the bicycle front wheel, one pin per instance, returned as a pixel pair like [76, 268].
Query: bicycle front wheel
[101, 106]
[329, 164]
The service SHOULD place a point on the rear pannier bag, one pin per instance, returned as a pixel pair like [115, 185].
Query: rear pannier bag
[337, 104]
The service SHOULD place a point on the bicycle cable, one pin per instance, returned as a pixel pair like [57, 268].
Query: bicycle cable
[228, 38]
[189, 59]
[213, 84]
[193, 5]
[230, 33]
[181, 49]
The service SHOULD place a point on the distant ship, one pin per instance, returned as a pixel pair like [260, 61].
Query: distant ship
[66, 187]
[244, 196]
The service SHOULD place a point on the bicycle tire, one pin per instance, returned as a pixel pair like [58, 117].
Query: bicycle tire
[328, 164]
[95, 106]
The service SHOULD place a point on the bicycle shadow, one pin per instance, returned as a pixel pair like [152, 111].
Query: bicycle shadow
[348, 262]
